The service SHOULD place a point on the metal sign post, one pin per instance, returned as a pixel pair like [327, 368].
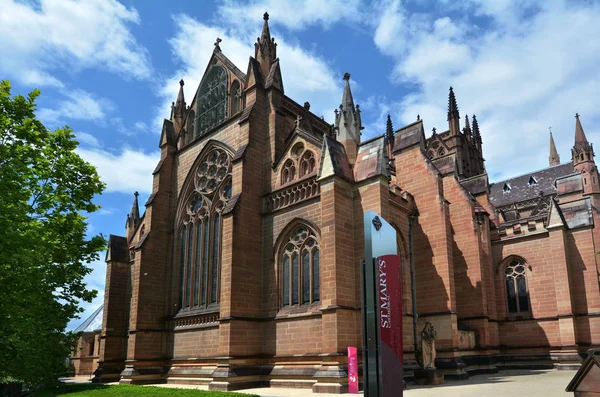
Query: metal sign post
[381, 310]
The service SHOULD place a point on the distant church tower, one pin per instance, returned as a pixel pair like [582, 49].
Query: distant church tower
[554, 157]
[583, 160]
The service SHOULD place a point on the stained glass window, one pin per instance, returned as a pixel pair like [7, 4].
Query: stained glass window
[200, 263]
[517, 294]
[300, 268]
[211, 104]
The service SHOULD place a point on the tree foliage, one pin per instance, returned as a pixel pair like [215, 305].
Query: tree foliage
[45, 190]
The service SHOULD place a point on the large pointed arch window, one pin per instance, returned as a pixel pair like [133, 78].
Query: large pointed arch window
[211, 104]
[300, 268]
[201, 232]
[517, 294]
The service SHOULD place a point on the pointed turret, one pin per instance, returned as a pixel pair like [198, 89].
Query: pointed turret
[554, 158]
[133, 218]
[389, 130]
[178, 108]
[476, 133]
[265, 48]
[580, 138]
[348, 122]
[389, 137]
[453, 115]
[467, 130]
[583, 160]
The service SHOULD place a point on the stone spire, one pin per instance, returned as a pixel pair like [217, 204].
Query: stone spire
[554, 157]
[582, 152]
[453, 115]
[467, 130]
[133, 218]
[583, 160]
[348, 122]
[178, 108]
[580, 138]
[389, 130]
[265, 48]
[476, 133]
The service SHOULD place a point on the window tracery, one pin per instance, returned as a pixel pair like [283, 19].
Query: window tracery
[288, 173]
[211, 107]
[517, 294]
[300, 273]
[201, 230]
[307, 163]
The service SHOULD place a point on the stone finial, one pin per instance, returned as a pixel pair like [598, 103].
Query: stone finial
[266, 16]
[307, 106]
[418, 117]
[181, 83]
[217, 42]
[346, 76]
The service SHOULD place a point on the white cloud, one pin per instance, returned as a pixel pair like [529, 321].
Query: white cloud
[519, 73]
[246, 15]
[307, 76]
[87, 139]
[79, 105]
[123, 172]
[69, 35]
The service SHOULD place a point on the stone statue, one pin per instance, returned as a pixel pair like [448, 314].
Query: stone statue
[428, 336]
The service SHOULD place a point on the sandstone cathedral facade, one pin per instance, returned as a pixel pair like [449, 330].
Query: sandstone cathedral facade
[244, 268]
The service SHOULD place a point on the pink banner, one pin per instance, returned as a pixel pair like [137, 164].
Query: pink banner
[390, 324]
[352, 370]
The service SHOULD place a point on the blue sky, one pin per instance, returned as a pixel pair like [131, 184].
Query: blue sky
[110, 70]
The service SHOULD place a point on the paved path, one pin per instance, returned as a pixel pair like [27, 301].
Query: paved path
[506, 383]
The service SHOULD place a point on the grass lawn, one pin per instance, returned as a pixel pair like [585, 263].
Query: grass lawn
[98, 390]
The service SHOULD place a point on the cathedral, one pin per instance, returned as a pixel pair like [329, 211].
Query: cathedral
[244, 268]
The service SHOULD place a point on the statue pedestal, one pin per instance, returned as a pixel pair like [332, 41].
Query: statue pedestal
[428, 377]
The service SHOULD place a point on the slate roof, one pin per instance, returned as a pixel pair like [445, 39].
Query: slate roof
[334, 160]
[117, 246]
[93, 322]
[371, 159]
[408, 136]
[521, 190]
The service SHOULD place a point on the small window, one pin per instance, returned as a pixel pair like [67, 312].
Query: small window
[532, 181]
[307, 163]
[517, 294]
[506, 188]
[288, 173]
[585, 181]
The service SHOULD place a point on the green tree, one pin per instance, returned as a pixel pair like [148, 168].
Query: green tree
[45, 190]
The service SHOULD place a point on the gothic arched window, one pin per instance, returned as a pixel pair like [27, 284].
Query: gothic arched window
[201, 231]
[211, 106]
[288, 173]
[307, 163]
[236, 97]
[300, 281]
[517, 295]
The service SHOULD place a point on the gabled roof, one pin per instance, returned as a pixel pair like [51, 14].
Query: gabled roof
[587, 378]
[371, 159]
[409, 135]
[520, 189]
[117, 249]
[334, 161]
[93, 322]
[167, 133]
